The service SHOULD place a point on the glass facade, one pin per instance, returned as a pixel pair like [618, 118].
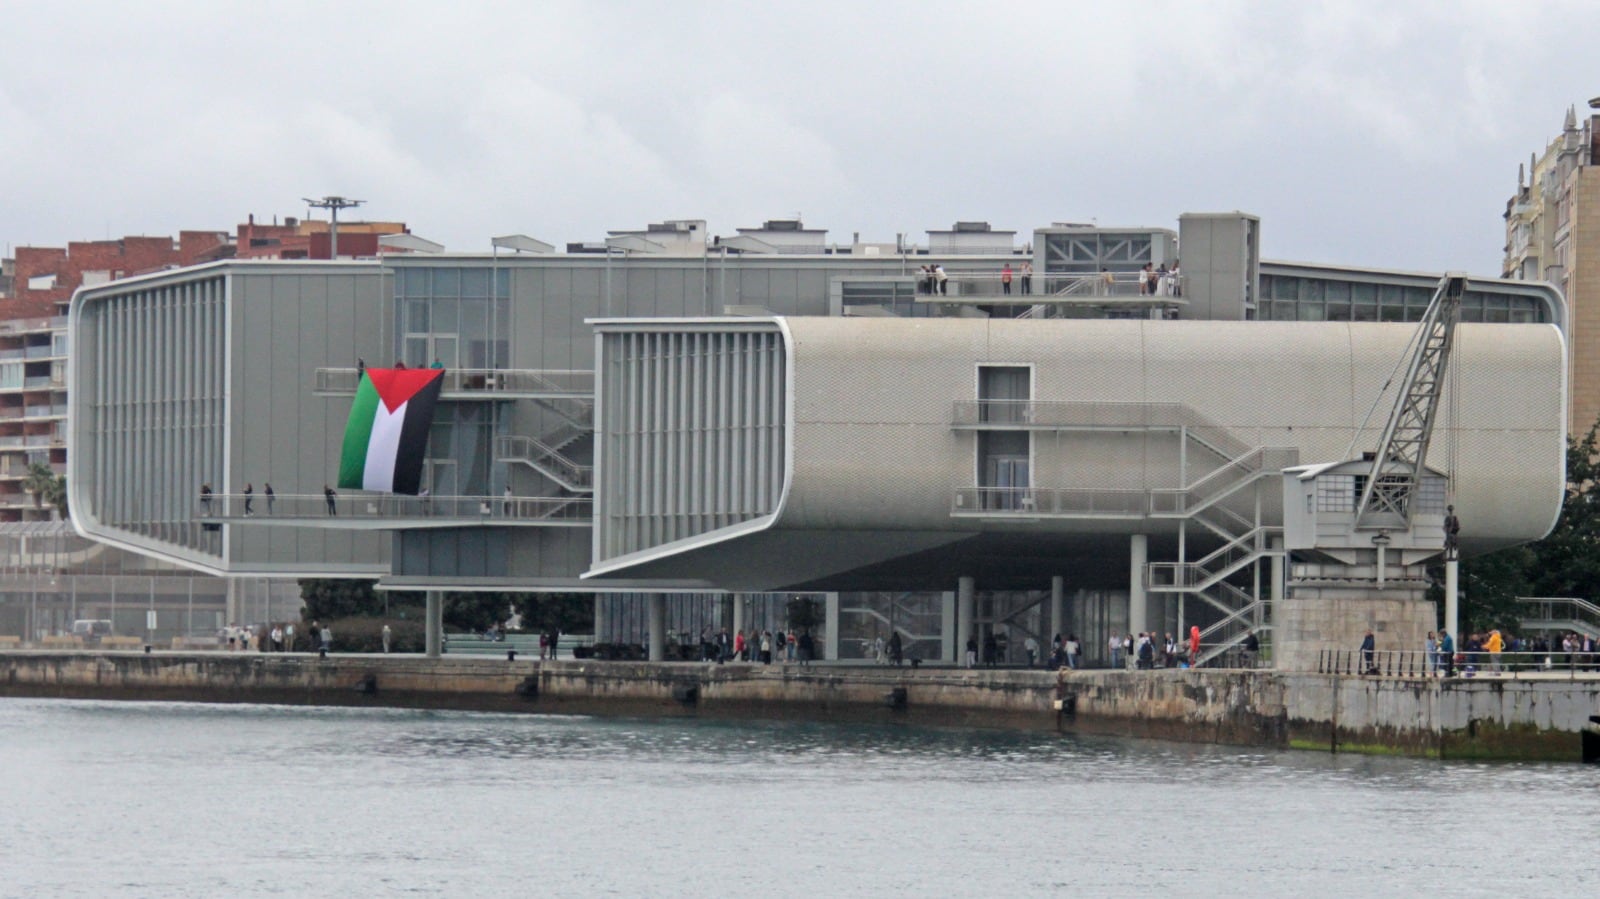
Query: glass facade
[447, 315]
[1300, 298]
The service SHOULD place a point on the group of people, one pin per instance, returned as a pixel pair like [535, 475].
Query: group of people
[991, 651]
[1484, 649]
[756, 646]
[1160, 281]
[1143, 652]
[207, 496]
[932, 279]
[280, 638]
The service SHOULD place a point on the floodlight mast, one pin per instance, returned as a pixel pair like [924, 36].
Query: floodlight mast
[1387, 496]
[333, 205]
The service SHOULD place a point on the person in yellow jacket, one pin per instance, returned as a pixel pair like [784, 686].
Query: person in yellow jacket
[1493, 645]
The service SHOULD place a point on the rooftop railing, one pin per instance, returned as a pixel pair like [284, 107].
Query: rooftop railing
[480, 382]
[991, 283]
[1033, 501]
[1112, 416]
[366, 507]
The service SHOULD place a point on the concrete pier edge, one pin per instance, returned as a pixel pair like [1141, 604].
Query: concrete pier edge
[1478, 718]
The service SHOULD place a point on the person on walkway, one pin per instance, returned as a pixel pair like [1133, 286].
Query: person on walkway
[766, 647]
[942, 279]
[1114, 644]
[1074, 650]
[1147, 652]
[1252, 649]
[249, 499]
[388, 637]
[1430, 654]
[724, 646]
[277, 638]
[327, 638]
[271, 497]
[896, 649]
[506, 501]
[288, 638]
[738, 646]
[205, 499]
[972, 652]
[991, 650]
[1027, 278]
[555, 643]
[1494, 645]
[436, 363]
[330, 496]
[1369, 653]
[1194, 645]
[1107, 282]
[1031, 646]
[1005, 279]
[808, 649]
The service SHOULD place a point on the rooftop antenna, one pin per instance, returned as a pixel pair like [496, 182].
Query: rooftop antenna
[333, 205]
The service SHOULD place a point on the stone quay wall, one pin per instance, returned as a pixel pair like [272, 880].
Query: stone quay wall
[1527, 718]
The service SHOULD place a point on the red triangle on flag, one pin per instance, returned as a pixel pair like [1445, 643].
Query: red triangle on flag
[397, 385]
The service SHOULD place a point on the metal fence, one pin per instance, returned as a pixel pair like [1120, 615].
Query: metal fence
[1422, 663]
[235, 506]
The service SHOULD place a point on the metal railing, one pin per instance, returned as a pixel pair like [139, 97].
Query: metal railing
[1024, 501]
[1558, 613]
[572, 383]
[1422, 663]
[236, 506]
[19, 325]
[1106, 416]
[990, 283]
[55, 411]
[547, 457]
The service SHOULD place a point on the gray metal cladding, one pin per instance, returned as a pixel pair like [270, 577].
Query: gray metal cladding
[152, 406]
[874, 446]
[691, 429]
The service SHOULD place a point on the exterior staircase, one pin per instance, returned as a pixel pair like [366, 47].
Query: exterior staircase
[1560, 613]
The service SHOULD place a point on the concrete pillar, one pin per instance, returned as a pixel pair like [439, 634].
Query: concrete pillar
[602, 621]
[1138, 600]
[738, 614]
[1058, 622]
[830, 624]
[433, 625]
[1275, 591]
[947, 629]
[965, 589]
[1452, 598]
[658, 627]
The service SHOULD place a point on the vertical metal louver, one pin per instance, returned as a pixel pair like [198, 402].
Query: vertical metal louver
[152, 401]
[691, 427]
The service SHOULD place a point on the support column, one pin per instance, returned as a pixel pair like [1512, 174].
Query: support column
[658, 628]
[433, 626]
[1138, 600]
[738, 614]
[965, 589]
[830, 624]
[947, 629]
[602, 621]
[1452, 598]
[1058, 624]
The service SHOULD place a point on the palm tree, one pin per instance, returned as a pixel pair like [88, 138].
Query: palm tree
[39, 482]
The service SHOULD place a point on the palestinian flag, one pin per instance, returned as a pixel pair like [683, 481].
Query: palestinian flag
[387, 435]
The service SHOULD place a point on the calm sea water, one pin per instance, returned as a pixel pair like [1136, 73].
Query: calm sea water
[171, 800]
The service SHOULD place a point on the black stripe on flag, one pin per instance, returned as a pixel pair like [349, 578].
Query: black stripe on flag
[413, 446]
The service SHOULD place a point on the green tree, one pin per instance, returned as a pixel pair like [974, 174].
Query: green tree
[570, 613]
[1567, 562]
[475, 612]
[41, 481]
[329, 599]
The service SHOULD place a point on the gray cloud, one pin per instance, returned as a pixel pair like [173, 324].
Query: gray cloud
[1384, 134]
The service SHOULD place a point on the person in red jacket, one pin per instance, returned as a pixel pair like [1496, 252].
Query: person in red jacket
[1194, 644]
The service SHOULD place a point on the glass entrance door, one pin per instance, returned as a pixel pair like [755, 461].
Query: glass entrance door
[1007, 476]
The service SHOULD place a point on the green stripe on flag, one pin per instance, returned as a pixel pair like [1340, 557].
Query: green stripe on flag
[357, 435]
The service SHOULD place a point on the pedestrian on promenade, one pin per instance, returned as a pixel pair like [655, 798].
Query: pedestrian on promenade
[327, 638]
[896, 649]
[388, 636]
[1115, 645]
[1027, 278]
[1447, 653]
[1369, 653]
[1252, 649]
[942, 279]
[271, 497]
[249, 498]
[1194, 645]
[991, 650]
[1074, 650]
[1005, 279]
[1032, 647]
[1494, 645]
[1430, 654]
[808, 649]
[972, 652]
[330, 496]
[205, 500]
[555, 642]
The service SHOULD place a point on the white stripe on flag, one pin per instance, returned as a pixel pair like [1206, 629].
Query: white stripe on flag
[383, 447]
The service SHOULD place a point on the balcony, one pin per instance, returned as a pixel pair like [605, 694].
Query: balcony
[31, 441]
[387, 511]
[1051, 502]
[57, 410]
[480, 384]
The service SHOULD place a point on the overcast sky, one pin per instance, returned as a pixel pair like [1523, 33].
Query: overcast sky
[1384, 133]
